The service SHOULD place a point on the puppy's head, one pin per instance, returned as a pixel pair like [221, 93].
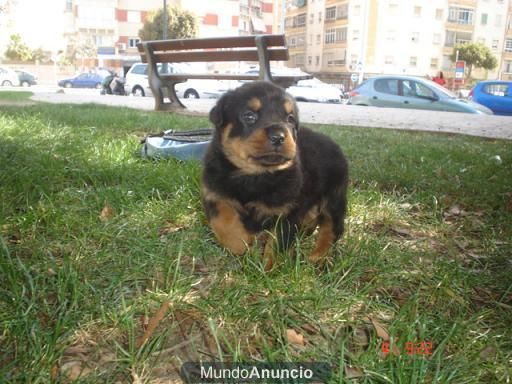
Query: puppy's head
[256, 126]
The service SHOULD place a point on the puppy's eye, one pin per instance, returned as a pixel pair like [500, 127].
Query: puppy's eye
[249, 117]
[291, 119]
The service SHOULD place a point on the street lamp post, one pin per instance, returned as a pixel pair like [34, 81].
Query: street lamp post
[165, 21]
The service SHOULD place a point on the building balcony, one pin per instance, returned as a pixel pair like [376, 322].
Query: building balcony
[459, 26]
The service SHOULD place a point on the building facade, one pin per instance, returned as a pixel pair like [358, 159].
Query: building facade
[335, 39]
[104, 33]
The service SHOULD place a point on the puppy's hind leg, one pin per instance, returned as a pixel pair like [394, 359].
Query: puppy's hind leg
[331, 224]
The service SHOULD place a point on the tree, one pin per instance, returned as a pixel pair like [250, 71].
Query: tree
[182, 24]
[475, 55]
[17, 49]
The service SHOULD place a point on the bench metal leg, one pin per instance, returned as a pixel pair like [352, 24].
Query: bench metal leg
[167, 90]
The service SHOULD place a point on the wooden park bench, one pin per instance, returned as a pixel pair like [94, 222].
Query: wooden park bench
[260, 48]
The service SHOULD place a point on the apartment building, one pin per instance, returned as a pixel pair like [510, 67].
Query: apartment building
[334, 38]
[107, 31]
[505, 66]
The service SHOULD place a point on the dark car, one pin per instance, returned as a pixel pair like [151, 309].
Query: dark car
[495, 95]
[412, 93]
[26, 79]
[83, 80]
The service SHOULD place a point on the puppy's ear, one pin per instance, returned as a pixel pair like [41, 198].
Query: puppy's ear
[217, 112]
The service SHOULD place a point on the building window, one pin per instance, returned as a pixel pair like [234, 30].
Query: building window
[330, 36]
[133, 41]
[415, 37]
[69, 5]
[320, 17]
[298, 60]
[391, 35]
[413, 60]
[335, 35]
[434, 62]
[508, 45]
[388, 60]
[355, 34]
[342, 11]
[508, 67]
[417, 11]
[310, 60]
[436, 39]
[439, 14]
[335, 59]
[460, 15]
[357, 10]
[455, 38]
[317, 60]
[483, 19]
[301, 20]
[330, 13]
[318, 39]
[495, 44]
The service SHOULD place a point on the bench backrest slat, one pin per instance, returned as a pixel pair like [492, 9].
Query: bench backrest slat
[212, 43]
[233, 55]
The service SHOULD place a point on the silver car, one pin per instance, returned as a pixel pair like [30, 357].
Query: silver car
[411, 92]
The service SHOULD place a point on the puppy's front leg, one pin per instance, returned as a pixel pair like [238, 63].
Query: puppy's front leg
[228, 227]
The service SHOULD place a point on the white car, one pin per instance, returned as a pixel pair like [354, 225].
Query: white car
[136, 83]
[8, 77]
[315, 90]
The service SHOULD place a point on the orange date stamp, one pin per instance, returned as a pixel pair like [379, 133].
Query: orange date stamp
[421, 348]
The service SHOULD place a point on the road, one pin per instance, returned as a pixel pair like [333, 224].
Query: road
[338, 114]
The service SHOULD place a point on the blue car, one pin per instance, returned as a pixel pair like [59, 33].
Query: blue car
[495, 95]
[83, 80]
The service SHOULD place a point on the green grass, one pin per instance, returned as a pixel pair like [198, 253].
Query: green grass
[426, 255]
[15, 96]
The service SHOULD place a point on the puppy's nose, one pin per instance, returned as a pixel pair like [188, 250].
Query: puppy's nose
[276, 137]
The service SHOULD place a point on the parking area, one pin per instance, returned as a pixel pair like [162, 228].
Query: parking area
[318, 113]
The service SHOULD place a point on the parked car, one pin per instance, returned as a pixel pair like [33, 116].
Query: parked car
[83, 80]
[312, 89]
[136, 79]
[315, 90]
[26, 78]
[8, 77]
[137, 83]
[411, 92]
[495, 95]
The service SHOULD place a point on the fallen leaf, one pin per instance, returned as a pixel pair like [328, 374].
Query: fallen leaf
[170, 227]
[106, 213]
[381, 331]
[353, 372]
[294, 337]
[76, 349]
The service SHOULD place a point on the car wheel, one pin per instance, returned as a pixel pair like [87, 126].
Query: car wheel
[25, 83]
[191, 93]
[7, 83]
[68, 85]
[138, 91]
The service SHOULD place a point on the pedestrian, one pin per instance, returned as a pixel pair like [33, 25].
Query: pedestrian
[439, 79]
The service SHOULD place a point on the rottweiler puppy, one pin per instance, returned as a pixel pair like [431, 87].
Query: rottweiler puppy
[264, 174]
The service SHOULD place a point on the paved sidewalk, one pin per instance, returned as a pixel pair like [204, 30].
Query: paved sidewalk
[394, 118]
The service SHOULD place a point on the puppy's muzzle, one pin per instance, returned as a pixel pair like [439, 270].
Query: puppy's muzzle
[276, 135]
